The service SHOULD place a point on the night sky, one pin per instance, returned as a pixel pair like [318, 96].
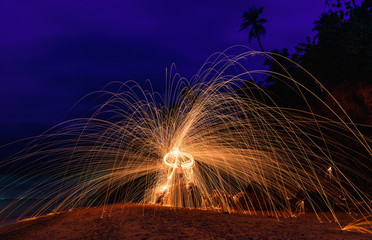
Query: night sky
[53, 53]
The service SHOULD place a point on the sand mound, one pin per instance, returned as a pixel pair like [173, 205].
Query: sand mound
[134, 221]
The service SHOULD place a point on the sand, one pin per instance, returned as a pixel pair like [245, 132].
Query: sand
[136, 221]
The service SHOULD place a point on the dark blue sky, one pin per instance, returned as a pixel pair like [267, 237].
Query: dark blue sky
[52, 53]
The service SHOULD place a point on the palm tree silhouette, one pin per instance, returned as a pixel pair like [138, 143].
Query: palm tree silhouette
[251, 18]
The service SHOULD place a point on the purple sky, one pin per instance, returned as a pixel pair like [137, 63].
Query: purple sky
[53, 53]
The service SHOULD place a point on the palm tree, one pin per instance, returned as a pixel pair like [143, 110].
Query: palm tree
[251, 18]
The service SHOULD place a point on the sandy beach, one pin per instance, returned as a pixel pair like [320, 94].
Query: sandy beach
[136, 221]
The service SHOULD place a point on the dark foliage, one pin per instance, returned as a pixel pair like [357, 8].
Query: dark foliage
[339, 56]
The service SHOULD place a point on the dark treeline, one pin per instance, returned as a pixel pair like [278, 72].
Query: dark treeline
[339, 56]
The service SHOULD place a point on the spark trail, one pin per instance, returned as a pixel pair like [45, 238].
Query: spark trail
[203, 145]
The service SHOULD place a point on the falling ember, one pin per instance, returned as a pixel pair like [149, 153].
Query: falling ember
[202, 145]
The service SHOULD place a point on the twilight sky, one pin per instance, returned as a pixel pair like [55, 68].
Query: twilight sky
[52, 53]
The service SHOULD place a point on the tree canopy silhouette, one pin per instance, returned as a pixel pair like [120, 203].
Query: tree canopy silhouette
[338, 3]
[341, 50]
[339, 55]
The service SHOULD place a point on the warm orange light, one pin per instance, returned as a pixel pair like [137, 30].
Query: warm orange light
[175, 159]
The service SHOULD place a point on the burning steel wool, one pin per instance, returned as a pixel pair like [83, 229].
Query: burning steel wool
[179, 179]
[204, 144]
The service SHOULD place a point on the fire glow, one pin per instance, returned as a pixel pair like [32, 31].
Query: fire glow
[202, 145]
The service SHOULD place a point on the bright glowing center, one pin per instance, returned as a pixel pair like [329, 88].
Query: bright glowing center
[175, 159]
